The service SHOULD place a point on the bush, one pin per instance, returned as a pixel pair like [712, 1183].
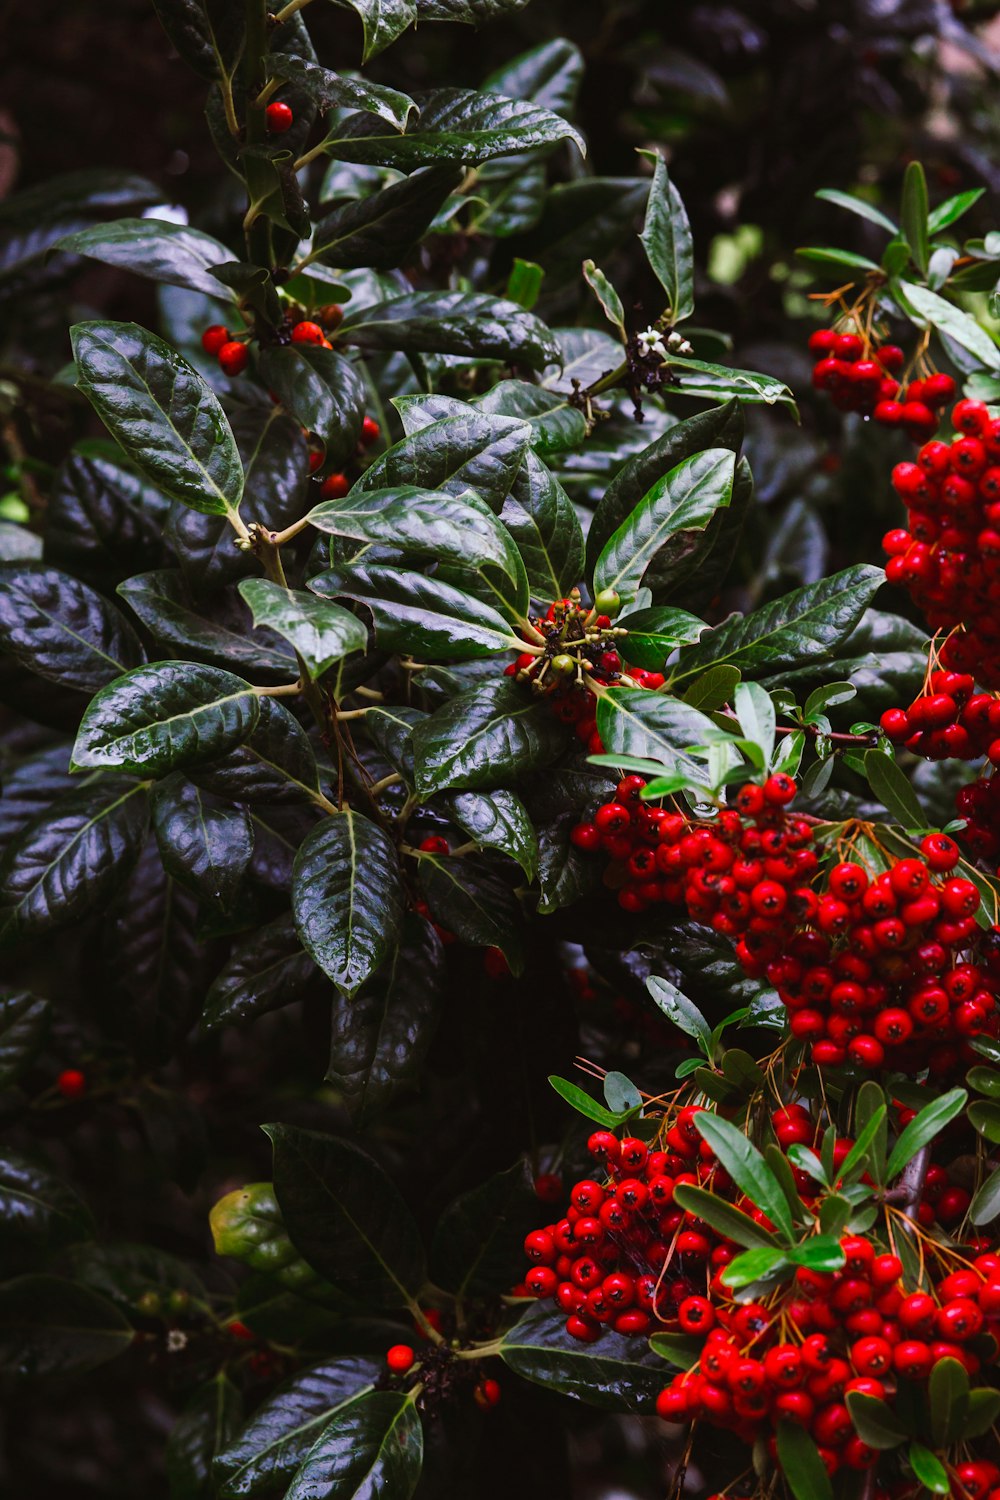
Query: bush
[409, 699]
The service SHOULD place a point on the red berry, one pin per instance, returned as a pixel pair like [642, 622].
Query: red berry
[234, 357]
[335, 487]
[214, 337]
[308, 333]
[370, 432]
[400, 1358]
[487, 1394]
[279, 118]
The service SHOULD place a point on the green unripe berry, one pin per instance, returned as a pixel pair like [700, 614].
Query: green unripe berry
[564, 664]
[149, 1304]
[608, 602]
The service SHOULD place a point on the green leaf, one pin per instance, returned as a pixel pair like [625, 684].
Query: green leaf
[496, 820]
[758, 1264]
[162, 414]
[913, 214]
[874, 1420]
[164, 716]
[322, 390]
[921, 1130]
[859, 206]
[49, 1326]
[847, 259]
[320, 631]
[756, 716]
[801, 1464]
[479, 1236]
[582, 1102]
[730, 1221]
[470, 899]
[862, 1157]
[269, 1448]
[380, 1036]
[155, 248]
[455, 125]
[947, 1401]
[345, 1216]
[747, 1168]
[984, 1409]
[41, 1214]
[542, 519]
[33, 220]
[524, 284]
[637, 722]
[985, 1206]
[487, 736]
[420, 615]
[710, 382]
[557, 426]
[666, 239]
[796, 628]
[952, 322]
[984, 1116]
[822, 1252]
[951, 209]
[682, 1012]
[204, 1427]
[205, 846]
[463, 323]
[654, 633]
[381, 230]
[606, 295]
[177, 616]
[721, 427]
[274, 764]
[655, 543]
[61, 630]
[347, 898]
[327, 89]
[464, 448]
[893, 789]
[266, 970]
[928, 1469]
[24, 1022]
[616, 1373]
[373, 1445]
[71, 858]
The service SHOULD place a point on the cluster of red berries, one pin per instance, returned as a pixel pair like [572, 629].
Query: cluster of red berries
[622, 1254]
[734, 873]
[949, 720]
[233, 354]
[401, 1359]
[858, 1329]
[979, 804]
[580, 647]
[859, 376]
[948, 556]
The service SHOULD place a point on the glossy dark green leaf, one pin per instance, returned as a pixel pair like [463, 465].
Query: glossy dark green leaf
[24, 1020]
[550, 74]
[656, 540]
[721, 427]
[390, 728]
[913, 214]
[275, 763]
[161, 412]
[345, 1216]
[666, 239]
[455, 125]
[790, 630]
[322, 390]
[60, 629]
[654, 633]
[209, 1418]
[380, 1036]
[952, 209]
[463, 449]
[947, 1401]
[557, 426]
[637, 722]
[125, 1272]
[383, 21]
[498, 820]
[419, 615]
[69, 860]
[328, 90]
[923, 1129]
[984, 1116]
[469, 898]
[747, 1168]
[155, 248]
[565, 873]
[266, 970]
[983, 1412]
[41, 1214]
[985, 1206]
[104, 521]
[268, 1449]
[589, 216]
[893, 789]
[542, 519]
[479, 1236]
[34, 220]
[49, 1326]
[468, 323]
[928, 1469]
[208, 34]
[347, 898]
[381, 230]
[874, 1420]
[470, 12]
[204, 844]
[724, 1217]
[217, 631]
[801, 1463]
[485, 737]
[617, 1373]
[374, 1445]
[164, 716]
[711, 382]
[320, 631]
